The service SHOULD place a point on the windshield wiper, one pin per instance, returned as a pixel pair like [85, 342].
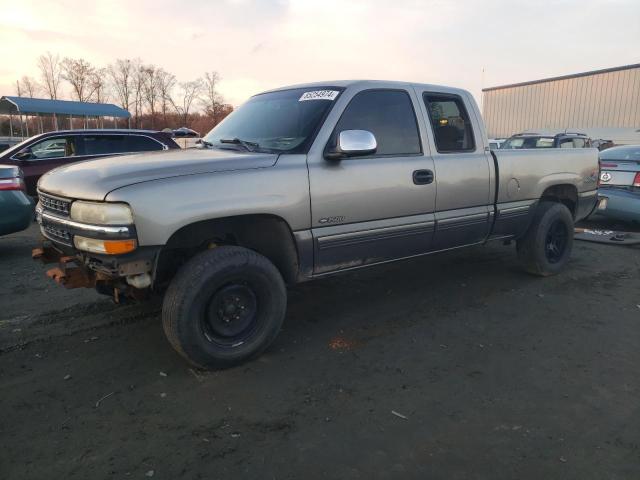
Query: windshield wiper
[250, 146]
[205, 143]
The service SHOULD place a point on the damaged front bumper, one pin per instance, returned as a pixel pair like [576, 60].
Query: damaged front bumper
[128, 274]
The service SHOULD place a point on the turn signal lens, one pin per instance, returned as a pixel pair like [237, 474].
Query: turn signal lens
[116, 247]
[108, 247]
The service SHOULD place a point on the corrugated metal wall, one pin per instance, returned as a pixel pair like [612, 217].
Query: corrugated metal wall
[609, 99]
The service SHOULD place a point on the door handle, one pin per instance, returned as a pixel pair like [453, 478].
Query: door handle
[422, 177]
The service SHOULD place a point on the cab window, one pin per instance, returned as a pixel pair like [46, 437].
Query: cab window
[450, 123]
[389, 115]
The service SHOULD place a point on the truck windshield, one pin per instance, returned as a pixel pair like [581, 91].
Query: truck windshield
[281, 122]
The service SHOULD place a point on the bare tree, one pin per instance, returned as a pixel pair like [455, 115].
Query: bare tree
[18, 88]
[189, 92]
[166, 82]
[137, 89]
[99, 84]
[121, 76]
[211, 100]
[150, 89]
[78, 72]
[50, 73]
[29, 86]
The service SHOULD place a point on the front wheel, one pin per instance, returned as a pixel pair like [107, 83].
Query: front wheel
[224, 306]
[546, 246]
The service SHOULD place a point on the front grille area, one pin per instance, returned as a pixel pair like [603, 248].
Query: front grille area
[57, 233]
[57, 206]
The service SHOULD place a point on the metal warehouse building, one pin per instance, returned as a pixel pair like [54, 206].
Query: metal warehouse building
[600, 103]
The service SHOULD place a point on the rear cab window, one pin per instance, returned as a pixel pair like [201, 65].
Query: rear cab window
[450, 123]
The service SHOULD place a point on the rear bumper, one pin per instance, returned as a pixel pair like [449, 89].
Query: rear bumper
[620, 205]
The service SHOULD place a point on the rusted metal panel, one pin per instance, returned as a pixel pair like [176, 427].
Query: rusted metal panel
[602, 99]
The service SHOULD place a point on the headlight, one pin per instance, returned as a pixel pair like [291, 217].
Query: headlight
[101, 213]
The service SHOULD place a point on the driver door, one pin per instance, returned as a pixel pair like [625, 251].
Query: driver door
[370, 209]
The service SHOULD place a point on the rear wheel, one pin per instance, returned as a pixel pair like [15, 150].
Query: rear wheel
[546, 246]
[224, 306]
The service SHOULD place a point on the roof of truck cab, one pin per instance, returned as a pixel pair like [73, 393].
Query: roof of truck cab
[365, 84]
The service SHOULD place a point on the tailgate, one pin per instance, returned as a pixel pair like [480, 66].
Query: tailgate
[619, 173]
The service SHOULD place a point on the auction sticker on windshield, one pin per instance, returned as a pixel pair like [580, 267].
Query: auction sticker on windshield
[319, 95]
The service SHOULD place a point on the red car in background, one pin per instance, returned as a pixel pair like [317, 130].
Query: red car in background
[41, 153]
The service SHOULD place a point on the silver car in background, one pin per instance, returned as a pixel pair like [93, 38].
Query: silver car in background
[620, 183]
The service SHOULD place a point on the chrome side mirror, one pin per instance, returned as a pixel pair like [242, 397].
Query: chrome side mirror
[353, 143]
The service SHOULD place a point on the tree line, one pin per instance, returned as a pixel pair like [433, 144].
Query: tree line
[153, 96]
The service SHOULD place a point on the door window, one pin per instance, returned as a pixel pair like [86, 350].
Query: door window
[450, 123]
[55, 147]
[104, 144]
[389, 115]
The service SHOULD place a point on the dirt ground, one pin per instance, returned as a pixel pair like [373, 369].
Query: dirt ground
[455, 366]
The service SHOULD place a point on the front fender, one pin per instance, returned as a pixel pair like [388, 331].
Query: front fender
[162, 207]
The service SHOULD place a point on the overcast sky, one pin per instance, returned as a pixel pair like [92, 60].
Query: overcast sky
[255, 45]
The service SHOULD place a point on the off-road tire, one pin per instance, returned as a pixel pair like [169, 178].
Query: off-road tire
[198, 288]
[535, 251]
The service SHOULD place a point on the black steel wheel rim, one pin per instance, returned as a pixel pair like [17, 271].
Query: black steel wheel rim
[231, 315]
[556, 241]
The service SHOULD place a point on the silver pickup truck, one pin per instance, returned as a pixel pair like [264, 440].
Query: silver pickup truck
[300, 183]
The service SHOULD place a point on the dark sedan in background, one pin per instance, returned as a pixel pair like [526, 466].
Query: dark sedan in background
[16, 207]
[41, 153]
[620, 183]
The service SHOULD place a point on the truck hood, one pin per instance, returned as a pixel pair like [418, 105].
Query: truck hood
[94, 179]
